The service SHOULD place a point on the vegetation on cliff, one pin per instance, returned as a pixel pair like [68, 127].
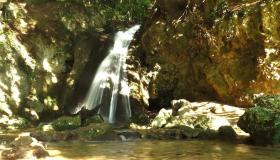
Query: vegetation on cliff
[46, 46]
[208, 50]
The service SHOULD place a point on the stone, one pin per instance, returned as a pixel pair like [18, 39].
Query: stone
[25, 147]
[39, 152]
[94, 119]
[217, 122]
[195, 120]
[54, 136]
[14, 123]
[162, 118]
[216, 60]
[177, 104]
[227, 133]
[262, 121]
[66, 123]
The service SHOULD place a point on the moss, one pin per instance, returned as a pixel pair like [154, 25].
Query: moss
[263, 120]
[201, 122]
[268, 101]
[21, 123]
[93, 130]
[94, 119]
[191, 132]
[208, 134]
[66, 123]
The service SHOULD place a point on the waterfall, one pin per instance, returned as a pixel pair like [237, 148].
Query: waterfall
[109, 89]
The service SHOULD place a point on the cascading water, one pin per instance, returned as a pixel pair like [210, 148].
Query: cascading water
[109, 89]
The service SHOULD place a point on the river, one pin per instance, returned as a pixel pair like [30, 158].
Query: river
[161, 150]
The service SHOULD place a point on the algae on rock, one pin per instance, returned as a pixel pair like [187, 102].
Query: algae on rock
[263, 120]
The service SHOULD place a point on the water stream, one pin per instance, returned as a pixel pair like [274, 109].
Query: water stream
[162, 150]
[109, 89]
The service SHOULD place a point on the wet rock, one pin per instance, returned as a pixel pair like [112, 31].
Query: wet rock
[54, 136]
[262, 121]
[161, 134]
[227, 133]
[94, 119]
[66, 123]
[129, 135]
[47, 133]
[25, 147]
[93, 131]
[209, 134]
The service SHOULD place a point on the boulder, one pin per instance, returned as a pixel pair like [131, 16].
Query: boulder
[227, 133]
[262, 121]
[194, 120]
[162, 118]
[25, 147]
[66, 123]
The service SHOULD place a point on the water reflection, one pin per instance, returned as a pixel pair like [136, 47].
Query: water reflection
[161, 150]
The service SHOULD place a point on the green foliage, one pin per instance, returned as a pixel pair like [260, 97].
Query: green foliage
[66, 123]
[268, 101]
[263, 120]
[220, 10]
[94, 119]
[20, 123]
[129, 11]
[93, 130]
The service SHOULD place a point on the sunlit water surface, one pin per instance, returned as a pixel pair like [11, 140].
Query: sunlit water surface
[162, 150]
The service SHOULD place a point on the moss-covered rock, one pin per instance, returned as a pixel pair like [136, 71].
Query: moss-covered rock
[227, 133]
[263, 120]
[94, 130]
[94, 119]
[14, 123]
[86, 133]
[66, 123]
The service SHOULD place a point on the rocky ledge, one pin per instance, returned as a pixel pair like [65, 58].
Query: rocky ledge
[204, 120]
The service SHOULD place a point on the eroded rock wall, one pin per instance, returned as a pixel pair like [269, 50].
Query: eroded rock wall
[208, 50]
[50, 50]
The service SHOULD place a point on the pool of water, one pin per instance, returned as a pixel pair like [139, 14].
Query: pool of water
[161, 150]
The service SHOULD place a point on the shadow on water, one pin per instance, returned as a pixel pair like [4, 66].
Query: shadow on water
[187, 150]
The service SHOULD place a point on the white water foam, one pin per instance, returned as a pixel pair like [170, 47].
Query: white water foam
[109, 89]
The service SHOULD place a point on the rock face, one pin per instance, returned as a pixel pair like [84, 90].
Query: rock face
[212, 50]
[45, 48]
[50, 51]
[263, 121]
